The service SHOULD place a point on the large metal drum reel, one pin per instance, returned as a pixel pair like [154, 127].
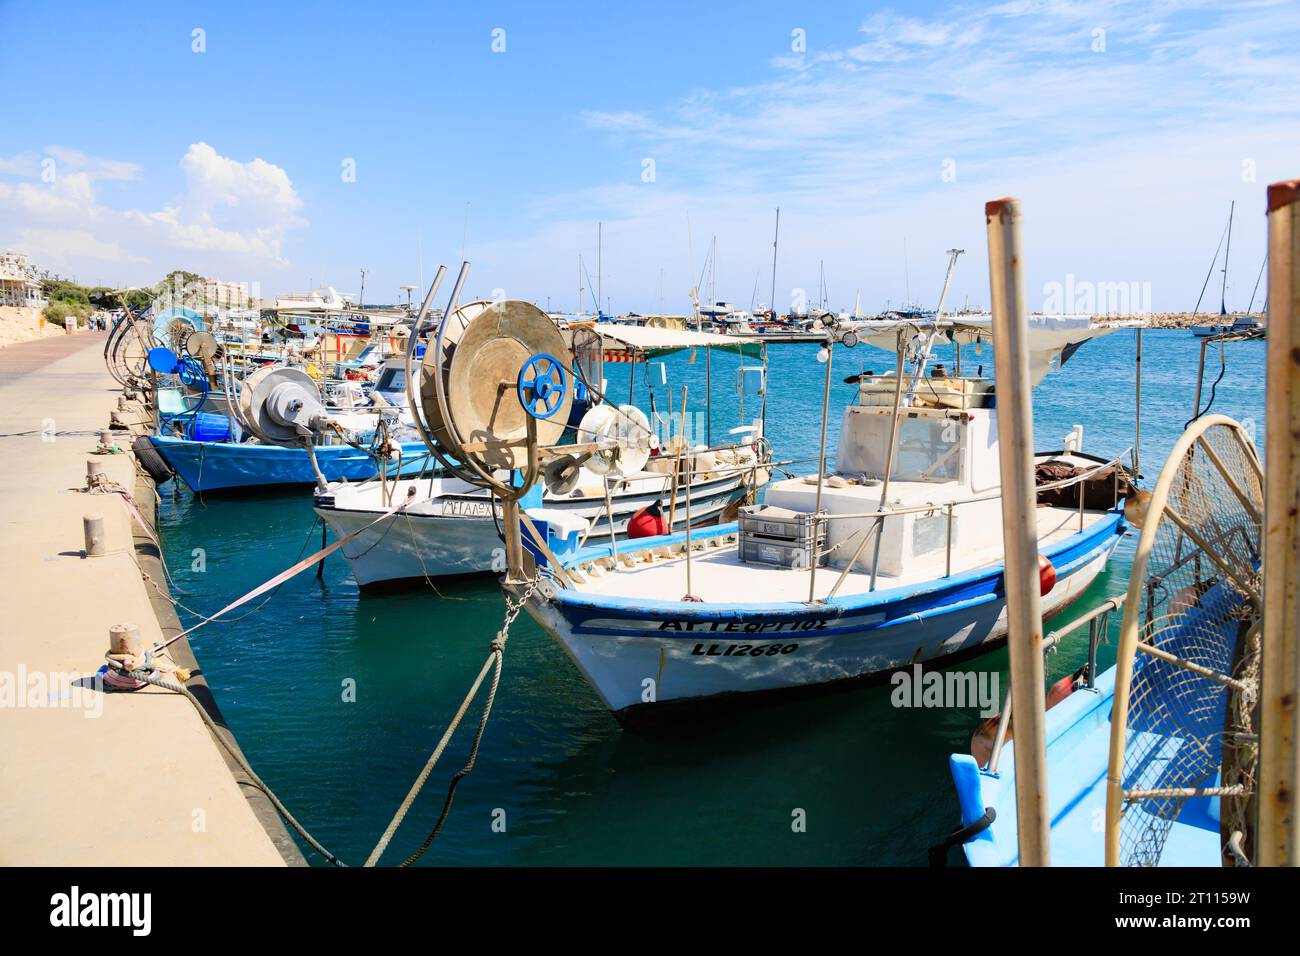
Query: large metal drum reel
[494, 387]
[281, 405]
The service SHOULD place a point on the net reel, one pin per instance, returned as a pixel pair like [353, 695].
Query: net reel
[282, 405]
[126, 352]
[1185, 723]
[202, 346]
[624, 438]
[588, 356]
[493, 383]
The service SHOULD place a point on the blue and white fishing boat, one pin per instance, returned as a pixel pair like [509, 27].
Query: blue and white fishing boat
[1163, 747]
[207, 440]
[227, 465]
[894, 558]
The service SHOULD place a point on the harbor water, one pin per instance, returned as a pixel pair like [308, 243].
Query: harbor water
[338, 697]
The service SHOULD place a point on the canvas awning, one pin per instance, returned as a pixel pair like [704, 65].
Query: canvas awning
[654, 342]
[1052, 338]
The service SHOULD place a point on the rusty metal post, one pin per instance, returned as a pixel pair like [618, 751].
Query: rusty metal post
[1279, 738]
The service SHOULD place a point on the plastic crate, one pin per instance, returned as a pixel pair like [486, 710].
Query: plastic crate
[782, 524]
[781, 554]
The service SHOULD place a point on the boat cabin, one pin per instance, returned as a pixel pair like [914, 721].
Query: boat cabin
[945, 451]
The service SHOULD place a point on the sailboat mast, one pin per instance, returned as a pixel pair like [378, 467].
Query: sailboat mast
[695, 291]
[776, 237]
[713, 270]
[600, 265]
[1223, 293]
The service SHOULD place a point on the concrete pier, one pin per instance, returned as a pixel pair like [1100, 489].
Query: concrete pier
[89, 778]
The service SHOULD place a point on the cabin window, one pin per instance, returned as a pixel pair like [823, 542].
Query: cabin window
[928, 450]
[391, 380]
[930, 533]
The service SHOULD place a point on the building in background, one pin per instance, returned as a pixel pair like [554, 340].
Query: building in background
[225, 295]
[19, 285]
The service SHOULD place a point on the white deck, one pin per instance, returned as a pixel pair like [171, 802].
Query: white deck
[719, 576]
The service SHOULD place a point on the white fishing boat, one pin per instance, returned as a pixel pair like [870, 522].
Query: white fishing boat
[449, 526]
[322, 300]
[893, 559]
[1240, 323]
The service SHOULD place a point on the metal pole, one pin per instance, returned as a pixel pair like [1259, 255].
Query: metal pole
[690, 466]
[889, 453]
[1200, 379]
[821, 471]
[1137, 409]
[708, 394]
[1278, 842]
[1019, 526]
[609, 516]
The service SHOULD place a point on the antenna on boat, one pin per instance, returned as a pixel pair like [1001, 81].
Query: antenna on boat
[923, 357]
[1019, 526]
[1185, 725]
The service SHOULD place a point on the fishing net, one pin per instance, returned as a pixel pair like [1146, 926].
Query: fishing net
[1191, 749]
[588, 356]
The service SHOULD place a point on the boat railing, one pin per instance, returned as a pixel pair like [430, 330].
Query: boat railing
[1098, 621]
[949, 509]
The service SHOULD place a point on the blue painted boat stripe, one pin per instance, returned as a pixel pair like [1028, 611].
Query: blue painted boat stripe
[899, 602]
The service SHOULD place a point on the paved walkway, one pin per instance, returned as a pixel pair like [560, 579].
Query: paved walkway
[88, 778]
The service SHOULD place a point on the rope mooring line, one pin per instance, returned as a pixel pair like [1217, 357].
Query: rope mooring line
[151, 677]
[494, 661]
[286, 574]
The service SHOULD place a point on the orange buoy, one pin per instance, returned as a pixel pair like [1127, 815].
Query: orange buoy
[647, 522]
[1046, 576]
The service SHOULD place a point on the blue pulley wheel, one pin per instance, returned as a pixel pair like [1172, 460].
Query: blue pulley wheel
[542, 385]
[164, 360]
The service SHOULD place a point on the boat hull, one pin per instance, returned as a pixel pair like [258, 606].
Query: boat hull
[218, 466]
[459, 534]
[641, 657]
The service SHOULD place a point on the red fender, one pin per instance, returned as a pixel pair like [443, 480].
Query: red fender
[1046, 576]
[647, 522]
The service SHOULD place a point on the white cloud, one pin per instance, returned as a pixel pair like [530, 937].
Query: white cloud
[94, 167]
[232, 217]
[1126, 158]
[45, 245]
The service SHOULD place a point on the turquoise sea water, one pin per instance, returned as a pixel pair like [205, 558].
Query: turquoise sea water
[871, 779]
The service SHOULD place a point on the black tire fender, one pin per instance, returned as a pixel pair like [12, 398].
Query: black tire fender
[151, 461]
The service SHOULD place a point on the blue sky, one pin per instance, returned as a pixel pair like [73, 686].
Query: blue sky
[125, 153]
